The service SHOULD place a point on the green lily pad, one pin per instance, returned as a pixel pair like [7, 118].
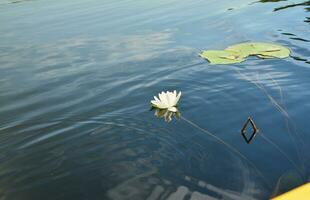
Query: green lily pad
[222, 57]
[260, 49]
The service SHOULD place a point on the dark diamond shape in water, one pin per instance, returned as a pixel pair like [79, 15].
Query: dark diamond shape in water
[244, 133]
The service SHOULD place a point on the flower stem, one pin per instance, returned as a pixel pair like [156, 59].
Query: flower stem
[229, 147]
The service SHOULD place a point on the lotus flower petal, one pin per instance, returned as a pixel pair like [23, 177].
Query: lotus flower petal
[166, 100]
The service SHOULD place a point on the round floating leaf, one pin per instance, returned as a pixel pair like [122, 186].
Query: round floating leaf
[222, 57]
[260, 49]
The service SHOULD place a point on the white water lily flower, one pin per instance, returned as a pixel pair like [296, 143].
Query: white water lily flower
[167, 100]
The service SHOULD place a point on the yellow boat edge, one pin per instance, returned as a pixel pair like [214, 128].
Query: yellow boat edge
[299, 193]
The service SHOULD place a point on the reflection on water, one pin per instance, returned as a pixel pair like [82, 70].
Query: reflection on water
[306, 3]
[166, 114]
[294, 37]
[307, 8]
[13, 1]
[160, 190]
[287, 181]
[268, 1]
[76, 78]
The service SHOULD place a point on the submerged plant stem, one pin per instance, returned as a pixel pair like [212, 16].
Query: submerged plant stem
[281, 110]
[236, 151]
[283, 153]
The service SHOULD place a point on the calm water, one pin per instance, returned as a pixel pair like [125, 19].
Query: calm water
[76, 78]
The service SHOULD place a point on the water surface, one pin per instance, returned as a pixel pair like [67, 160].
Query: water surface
[76, 78]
